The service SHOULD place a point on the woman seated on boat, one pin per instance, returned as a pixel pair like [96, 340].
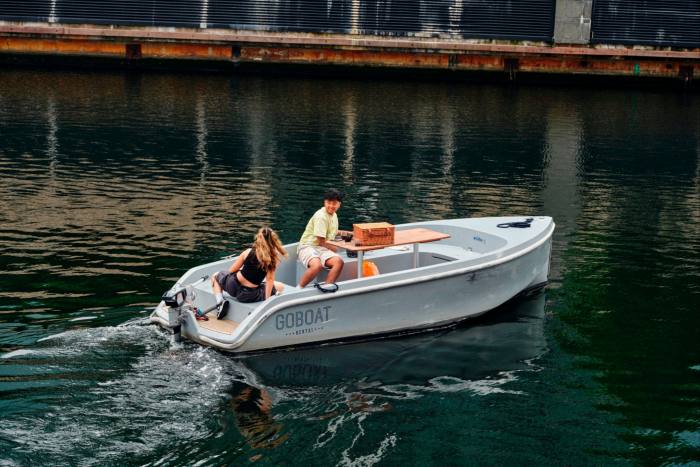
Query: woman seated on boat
[251, 278]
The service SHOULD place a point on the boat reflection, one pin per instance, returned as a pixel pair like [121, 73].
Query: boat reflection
[252, 408]
[507, 339]
[340, 385]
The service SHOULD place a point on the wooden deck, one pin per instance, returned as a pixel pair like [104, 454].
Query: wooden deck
[219, 325]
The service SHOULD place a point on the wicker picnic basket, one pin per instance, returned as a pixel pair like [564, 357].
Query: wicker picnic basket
[373, 233]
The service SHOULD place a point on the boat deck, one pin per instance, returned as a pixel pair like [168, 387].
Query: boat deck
[390, 259]
[223, 326]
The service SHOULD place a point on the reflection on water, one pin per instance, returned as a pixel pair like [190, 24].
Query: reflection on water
[252, 407]
[125, 387]
[360, 380]
[115, 184]
[463, 354]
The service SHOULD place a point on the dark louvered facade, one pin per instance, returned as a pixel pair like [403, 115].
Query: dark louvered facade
[469, 19]
[673, 23]
[25, 10]
[662, 23]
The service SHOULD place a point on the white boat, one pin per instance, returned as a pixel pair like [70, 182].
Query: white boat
[482, 264]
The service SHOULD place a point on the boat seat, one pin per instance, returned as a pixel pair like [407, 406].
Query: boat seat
[238, 310]
[241, 310]
[321, 275]
[448, 251]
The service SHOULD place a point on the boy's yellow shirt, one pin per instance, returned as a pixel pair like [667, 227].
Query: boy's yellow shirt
[321, 224]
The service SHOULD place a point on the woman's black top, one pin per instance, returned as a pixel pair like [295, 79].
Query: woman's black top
[252, 270]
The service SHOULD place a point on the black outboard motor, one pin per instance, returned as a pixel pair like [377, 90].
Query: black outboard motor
[174, 299]
[177, 299]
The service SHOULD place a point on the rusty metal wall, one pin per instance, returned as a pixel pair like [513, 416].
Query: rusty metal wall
[650, 22]
[477, 19]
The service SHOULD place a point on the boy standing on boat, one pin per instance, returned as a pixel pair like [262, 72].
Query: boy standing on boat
[314, 252]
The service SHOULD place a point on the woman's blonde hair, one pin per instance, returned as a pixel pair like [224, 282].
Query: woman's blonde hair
[268, 249]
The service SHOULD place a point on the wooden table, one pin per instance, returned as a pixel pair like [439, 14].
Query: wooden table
[401, 237]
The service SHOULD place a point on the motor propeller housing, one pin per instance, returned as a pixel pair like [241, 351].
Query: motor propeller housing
[175, 297]
[175, 300]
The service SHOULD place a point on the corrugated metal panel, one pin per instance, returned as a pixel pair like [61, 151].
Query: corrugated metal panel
[283, 15]
[653, 22]
[25, 10]
[180, 12]
[488, 19]
[137, 12]
[498, 19]
[131, 12]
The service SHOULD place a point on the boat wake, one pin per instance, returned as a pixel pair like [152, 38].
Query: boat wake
[110, 394]
[89, 396]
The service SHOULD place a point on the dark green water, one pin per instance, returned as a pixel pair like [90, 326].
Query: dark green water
[114, 185]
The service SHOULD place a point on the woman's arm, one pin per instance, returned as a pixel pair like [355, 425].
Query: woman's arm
[238, 264]
[269, 283]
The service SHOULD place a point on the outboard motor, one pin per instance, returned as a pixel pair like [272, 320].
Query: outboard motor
[177, 299]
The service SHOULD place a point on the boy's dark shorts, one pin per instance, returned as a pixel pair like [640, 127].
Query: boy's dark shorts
[229, 282]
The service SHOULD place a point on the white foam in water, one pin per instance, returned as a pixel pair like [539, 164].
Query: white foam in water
[369, 459]
[78, 341]
[152, 396]
[8, 463]
[337, 422]
[84, 318]
[52, 336]
[332, 428]
[17, 353]
[447, 384]
[481, 387]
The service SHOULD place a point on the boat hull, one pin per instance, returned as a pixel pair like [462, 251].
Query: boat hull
[401, 307]
[503, 344]
[480, 267]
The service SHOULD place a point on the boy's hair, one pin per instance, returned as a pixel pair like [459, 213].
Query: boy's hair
[332, 194]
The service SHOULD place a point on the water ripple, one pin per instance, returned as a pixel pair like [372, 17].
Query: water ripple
[114, 184]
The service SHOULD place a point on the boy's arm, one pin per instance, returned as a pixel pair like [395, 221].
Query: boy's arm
[320, 229]
[322, 242]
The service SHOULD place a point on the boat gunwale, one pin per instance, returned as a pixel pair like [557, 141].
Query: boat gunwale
[446, 222]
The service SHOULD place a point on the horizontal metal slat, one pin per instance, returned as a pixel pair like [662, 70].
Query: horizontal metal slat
[653, 22]
[25, 10]
[511, 19]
